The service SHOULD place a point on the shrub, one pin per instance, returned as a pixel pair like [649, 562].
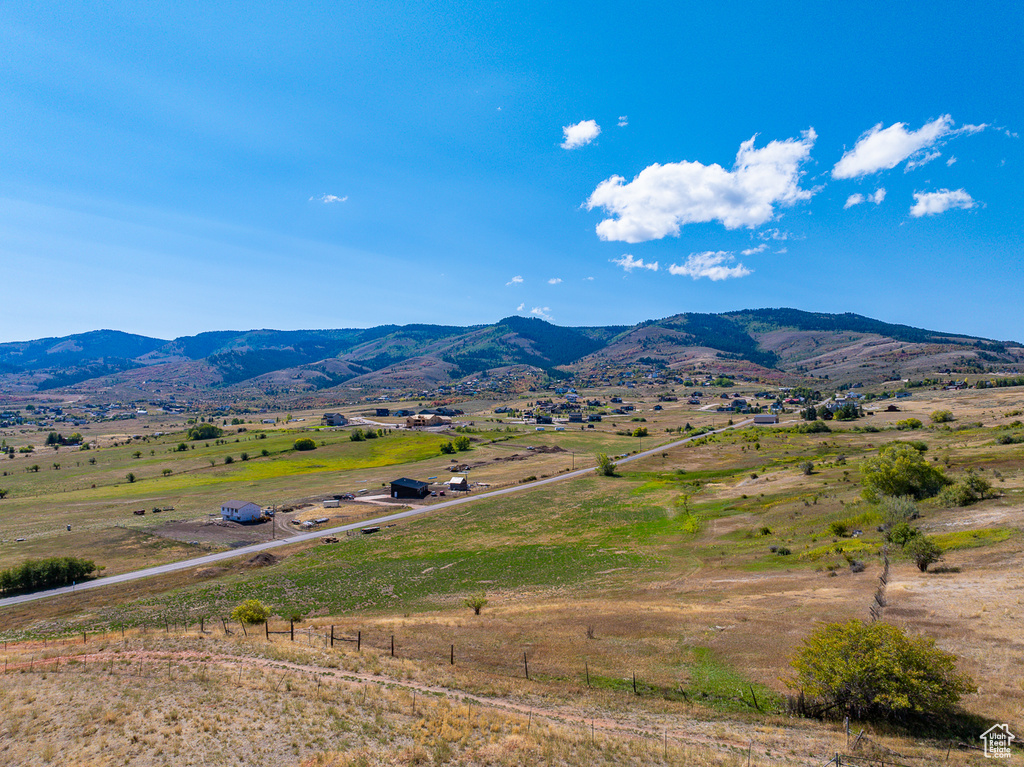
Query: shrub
[476, 603]
[640, 431]
[228, 459]
[130, 477]
[909, 423]
[838, 529]
[965, 491]
[36, 574]
[814, 427]
[924, 551]
[875, 671]
[605, 466]
[356, 435]
[462, 443]
[264, 452]
[304, 443]
[251, 611]
[807, 468]
[901, 534]
[204, 431]
[900, 470]
[898, 509]
[942, 416]
[447, 448]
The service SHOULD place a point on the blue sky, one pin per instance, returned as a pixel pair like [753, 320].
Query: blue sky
[170, 168]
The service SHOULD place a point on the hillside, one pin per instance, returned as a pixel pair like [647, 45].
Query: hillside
[759, 343]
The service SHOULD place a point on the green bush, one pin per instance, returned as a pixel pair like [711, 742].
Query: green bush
[909, 423]
[204, 431]
[902, 533]
[304, 443]
[965, 491]
[447, 448]
[900, 470]
[462, 443]
[605, 466]
[875, 671]
[251, 611]
[356, 435]
[924, 551]
[942, 416]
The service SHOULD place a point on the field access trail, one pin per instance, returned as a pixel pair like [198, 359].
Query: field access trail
[255, 548]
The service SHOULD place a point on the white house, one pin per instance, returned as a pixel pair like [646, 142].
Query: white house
[240, 511]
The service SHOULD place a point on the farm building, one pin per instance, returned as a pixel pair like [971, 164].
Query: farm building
[240, 511]
[766, 418]
[409, 488]
[429, 419]
[458, 483]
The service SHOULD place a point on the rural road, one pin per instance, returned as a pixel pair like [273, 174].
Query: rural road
[208, 559]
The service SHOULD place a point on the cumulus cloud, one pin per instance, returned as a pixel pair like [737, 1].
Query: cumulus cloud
[520, 307]
[951, 160]
[857, 199]
[623, 121]
[752, 251]
[589, 279]
[554, 280]
[629, 263]
[517, 280]
[885, 148]
[662, 198]
[327, 199]
[933, 203]
[580, 134]
[542, 312]
[711, 264]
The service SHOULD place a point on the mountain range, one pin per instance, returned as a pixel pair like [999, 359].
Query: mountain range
[760, 343]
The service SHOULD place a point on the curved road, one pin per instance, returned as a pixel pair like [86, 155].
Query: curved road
[241, 552]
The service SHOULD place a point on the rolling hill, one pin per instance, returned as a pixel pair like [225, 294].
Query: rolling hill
[758, 342]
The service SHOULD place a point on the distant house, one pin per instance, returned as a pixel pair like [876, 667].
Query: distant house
[766, 418]
[575, 418]
[403, 413]
[383, 412]
[240, 511]
[334, 419]
[657, 407]
[426, 419]
[458, 483]
[545, 419]
[409, 488]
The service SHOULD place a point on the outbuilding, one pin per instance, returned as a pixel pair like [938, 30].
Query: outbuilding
[409, 488]
[240, 511]
[458, 483]
[766, 418]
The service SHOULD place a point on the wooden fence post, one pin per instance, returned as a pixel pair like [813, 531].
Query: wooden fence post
[453, 655]
[332, 635]
[634, 683]
[586, 669]
[392, 645]
[292, 629]
[526, 667]
[266, 627]
[359, 640]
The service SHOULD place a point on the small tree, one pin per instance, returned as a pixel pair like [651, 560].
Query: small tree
[924, 551]
[130, 477]
[875, 671]
[356, 435]
[605, 467]
[462, 443]
[167, 472]
[251, 611]
[807, 468]
[3, 492]
[900, 469]
[476, 603]
[447, 448]
[304, 443]
[942, 416]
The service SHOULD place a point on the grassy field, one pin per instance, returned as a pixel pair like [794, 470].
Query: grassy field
[699, 570]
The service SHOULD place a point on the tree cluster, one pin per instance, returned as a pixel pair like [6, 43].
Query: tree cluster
[36, 574]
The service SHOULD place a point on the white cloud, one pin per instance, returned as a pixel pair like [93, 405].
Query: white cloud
[857, 199]
[520, 307]
[662, 198]
[917, 162]
[542, 312]
[885, 148]
[932, 203]
[623, 121]
[589, 279]
[777, 234]
[517, 280]
[327, 199]
[580, 134]
[554, 280]
[782, 251]
[710, 264]
[951, 160]
[629, 263]
[752, 251]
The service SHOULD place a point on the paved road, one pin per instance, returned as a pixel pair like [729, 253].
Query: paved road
[247, 550]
